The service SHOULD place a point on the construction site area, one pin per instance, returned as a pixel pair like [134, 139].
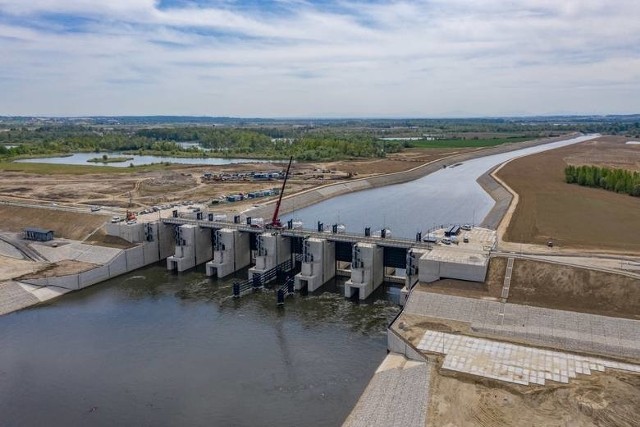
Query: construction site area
[539, 323]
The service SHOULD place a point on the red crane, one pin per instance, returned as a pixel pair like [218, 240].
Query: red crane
[275, 221]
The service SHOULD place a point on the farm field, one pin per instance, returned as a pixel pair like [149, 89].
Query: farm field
[569, 215]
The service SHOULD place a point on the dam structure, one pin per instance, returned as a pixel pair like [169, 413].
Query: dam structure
[366, 260]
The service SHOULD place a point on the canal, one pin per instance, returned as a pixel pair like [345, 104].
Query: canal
[448, 196]
[158, 348]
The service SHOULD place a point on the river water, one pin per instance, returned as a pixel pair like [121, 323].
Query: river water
[159, 349]
[83, 159]
[448, 196]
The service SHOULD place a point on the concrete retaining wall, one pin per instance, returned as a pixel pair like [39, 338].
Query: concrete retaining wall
[126, 261]
[135, 258]
[118, 265]
[398, 345]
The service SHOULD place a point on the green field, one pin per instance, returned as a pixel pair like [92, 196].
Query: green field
[468, 143]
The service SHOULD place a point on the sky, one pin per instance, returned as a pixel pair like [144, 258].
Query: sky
[324, 58]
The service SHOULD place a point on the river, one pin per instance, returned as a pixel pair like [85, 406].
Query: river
[448, 196]
[159, 348]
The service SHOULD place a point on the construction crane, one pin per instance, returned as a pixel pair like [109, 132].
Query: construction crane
[275, 220]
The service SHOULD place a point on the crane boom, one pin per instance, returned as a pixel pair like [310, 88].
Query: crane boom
[275, 221]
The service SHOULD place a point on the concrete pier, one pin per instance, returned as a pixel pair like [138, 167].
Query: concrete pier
[318, 264]
[193, 247]
[231, 252]
[367, 270]
[413, 257]
[272, 250]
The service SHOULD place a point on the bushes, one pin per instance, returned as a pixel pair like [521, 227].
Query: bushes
[618, 180]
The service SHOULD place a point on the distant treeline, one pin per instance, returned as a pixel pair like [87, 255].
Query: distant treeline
[618, 180]
[269, 142]
[318, 145]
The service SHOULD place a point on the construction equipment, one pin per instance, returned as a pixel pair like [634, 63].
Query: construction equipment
[275, 220]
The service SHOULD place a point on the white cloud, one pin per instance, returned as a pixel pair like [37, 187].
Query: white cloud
[419, 58]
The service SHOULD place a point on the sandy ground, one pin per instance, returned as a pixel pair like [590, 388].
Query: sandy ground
[11, 267]
[572, 216]
[611, 399]
[70, 225]
[575, 289]
[544, 284]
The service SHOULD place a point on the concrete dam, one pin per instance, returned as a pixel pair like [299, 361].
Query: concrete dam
[318, 255]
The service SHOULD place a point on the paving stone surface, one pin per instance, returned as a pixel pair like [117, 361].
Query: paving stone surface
[14, 297]
[398, 395]
[513, 363]
[565, 330]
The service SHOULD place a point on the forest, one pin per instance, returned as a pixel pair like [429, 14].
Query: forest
[618, 180]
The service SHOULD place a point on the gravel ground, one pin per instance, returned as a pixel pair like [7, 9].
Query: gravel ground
[398, 395]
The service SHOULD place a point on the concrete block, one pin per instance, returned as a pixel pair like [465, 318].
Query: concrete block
[367, 270]
[231, 253]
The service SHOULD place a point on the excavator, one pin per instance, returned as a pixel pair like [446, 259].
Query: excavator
[275, 220]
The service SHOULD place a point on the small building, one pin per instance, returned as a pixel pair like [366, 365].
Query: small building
[37, 234]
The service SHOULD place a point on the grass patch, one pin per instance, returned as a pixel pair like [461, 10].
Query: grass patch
[468, 143]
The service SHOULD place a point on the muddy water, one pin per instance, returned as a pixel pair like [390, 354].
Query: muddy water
[157, 348]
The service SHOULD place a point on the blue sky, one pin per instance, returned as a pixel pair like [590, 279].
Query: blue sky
[328, 58]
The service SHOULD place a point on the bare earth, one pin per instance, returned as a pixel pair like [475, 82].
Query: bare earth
[596, 400]
[182, 182]
[570, 215]
[544, 284]
[11, 267]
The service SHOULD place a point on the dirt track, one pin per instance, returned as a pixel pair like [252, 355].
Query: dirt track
[570, 215]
